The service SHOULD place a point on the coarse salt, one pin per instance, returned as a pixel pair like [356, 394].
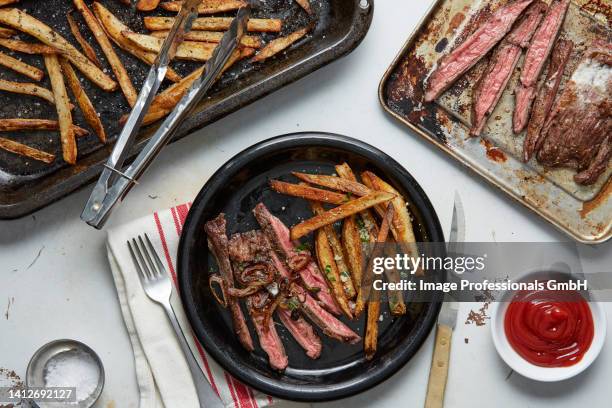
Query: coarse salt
[73, 368]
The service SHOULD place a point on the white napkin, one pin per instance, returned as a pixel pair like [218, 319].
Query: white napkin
[162, 372]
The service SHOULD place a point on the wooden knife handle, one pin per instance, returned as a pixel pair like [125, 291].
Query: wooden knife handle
[439, 368]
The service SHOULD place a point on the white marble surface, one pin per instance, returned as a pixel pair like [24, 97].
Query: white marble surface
[68, 291]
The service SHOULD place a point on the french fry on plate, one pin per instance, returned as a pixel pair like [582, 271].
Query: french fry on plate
[21, 67]
[7, 2]
[26, 151]
[121, 74]
[308, 192]
[273, 25]
[114, 27]
[89, 111]
[334, 183]
[147, 5]
[62, 104]
[27, 88]
[207, 6]
[305, 4]
[85, 46]
[366, 223]
[26, 47]
[19, 124]
[7, 32]
[22, 21]
[187, 50]
[279, 44]
[212, 37]
[351, 242]
[340, 212]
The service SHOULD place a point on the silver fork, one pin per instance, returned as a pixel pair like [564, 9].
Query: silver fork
[158, 287]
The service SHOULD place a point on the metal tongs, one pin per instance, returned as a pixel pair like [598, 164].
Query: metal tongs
[115, 182]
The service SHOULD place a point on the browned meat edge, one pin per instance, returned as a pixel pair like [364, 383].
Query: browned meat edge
[474, 48]
[494, 80]
[218, 244]
[537, 54]
[546, 96]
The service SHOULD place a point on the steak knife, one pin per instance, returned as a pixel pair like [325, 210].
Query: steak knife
[447, 320]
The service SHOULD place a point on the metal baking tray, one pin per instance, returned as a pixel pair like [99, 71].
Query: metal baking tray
[26, 185]
[582, 212]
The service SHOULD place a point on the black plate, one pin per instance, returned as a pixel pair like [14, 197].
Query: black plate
[27, 185]
[235, 189]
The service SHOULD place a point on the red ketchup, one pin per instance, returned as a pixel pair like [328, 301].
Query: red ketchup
[549, 328]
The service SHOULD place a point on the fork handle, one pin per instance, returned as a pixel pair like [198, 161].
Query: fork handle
[207, 396]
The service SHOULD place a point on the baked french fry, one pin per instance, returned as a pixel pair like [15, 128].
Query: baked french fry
[165, 101]
[121, 74]
[26, 151]
[30, 25]
[19, 124]
[147, 5]
[366, 287]
[62, 104]
[334, 183]
[279, 44]
[27, 89]
[187, 50]
[340, 212]
[7, 32]
[113, 27]
[370, 340]
[273, 25]
[7, 2]
[21, 67]
[212, 37]
[402, 225]
[305, 4]
[367, 223]
[351, 242]
[26, 47]
[325, 258]
[89, 111]
[338, 254]
[308, 193]
[207, 6]
[85, 46]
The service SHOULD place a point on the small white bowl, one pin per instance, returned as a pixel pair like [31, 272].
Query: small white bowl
[538, 373]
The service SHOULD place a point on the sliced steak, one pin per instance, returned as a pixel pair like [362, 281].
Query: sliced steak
[278, 235]
[538, 52]
[246, 250]
[546, 96]
[495, 78]
[578, 133]
[218, 244]
[474, 48]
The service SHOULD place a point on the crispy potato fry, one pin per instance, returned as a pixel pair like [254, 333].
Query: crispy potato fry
[7, 2]
[305, 4]
[366, 287]
[325, 258]
[165, 101]
[147, 5]
[89, 111]
[207, 6]
[351, 242]
[113, 27]
[340, 212]
[338, 254]
[279, 44]
[85, 46]
[334, 183]
[30, 25]
[402, 225]
[370, 340]
[367, 224]
[26, 47]
[21, 67]
[187, 50]
[307, 192]
[27, 89]
[17, 124]
[69, 147]
[212, 37]
[273, 25]
[7, 32]
[27, 151]
[125, 83]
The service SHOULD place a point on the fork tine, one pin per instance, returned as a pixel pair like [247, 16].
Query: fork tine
[149, 259]
[141, 273]
[153, 252]
[143, 263]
